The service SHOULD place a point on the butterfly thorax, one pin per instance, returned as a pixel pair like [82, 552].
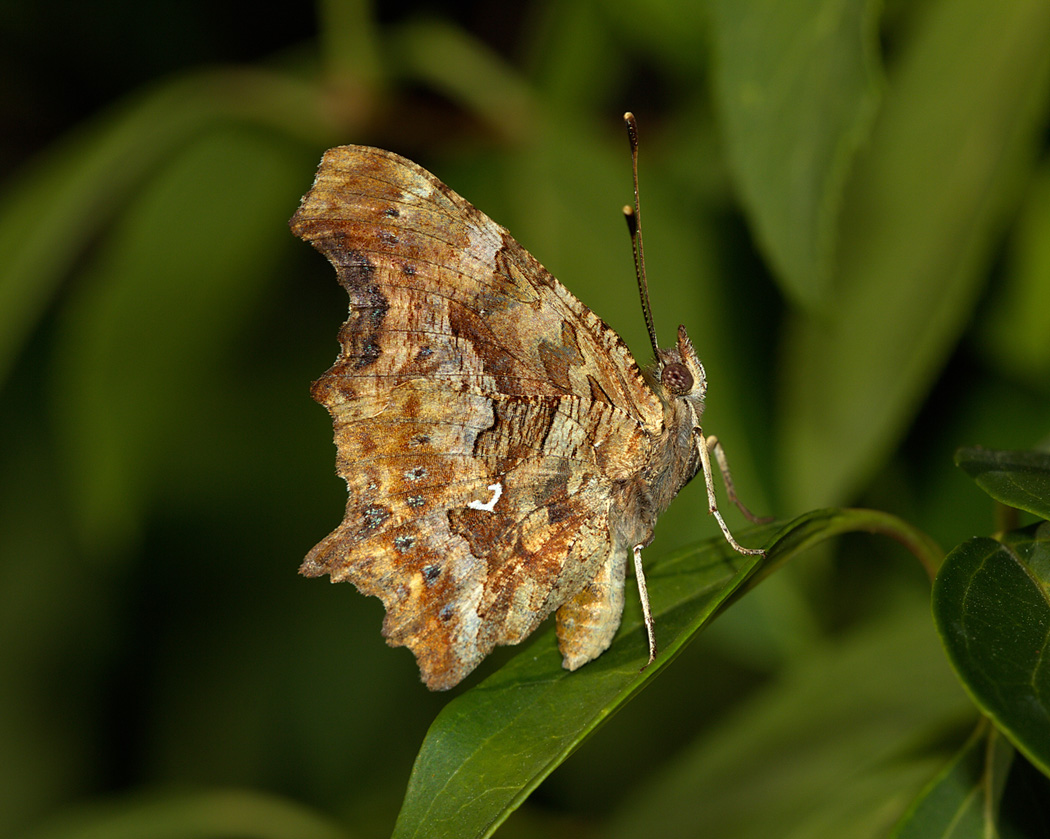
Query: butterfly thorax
[678, 379]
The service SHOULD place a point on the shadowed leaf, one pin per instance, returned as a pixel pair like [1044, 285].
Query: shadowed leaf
[991, 601]
[1017, 479]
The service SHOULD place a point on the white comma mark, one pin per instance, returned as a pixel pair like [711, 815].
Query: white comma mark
[497, 491]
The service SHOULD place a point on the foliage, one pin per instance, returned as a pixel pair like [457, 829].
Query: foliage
[847, 203]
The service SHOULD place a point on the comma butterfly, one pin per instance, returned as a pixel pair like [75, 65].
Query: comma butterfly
[503, 453]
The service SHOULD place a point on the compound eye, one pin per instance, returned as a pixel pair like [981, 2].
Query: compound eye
[677, 379]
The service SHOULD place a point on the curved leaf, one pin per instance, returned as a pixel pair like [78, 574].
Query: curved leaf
[467, 71]
[797, 88]
[148, 336]
[510, 732]
[50, 216]
[1017, 479]
[991, 601]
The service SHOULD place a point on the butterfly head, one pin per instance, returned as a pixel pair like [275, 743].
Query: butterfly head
[680, 374]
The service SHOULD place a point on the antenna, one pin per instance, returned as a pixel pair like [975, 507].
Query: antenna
[634, 227]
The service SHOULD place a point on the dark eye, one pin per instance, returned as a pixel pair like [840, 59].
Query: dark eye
[677, 379]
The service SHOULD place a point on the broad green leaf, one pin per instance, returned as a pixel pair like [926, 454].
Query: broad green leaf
[962, 802]
[927, 200]
[1017, 479]
[225, 814]
[152, 336]
[492, 746]
[797, 87]
[62, 204]
[991, 601]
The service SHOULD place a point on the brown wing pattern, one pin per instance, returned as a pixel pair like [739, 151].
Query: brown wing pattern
[482, 416]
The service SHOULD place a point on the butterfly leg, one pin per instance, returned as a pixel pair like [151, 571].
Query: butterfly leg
[714, 446]
[643, 593]
[706, 445]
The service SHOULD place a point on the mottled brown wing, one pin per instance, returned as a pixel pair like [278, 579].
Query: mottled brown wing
[482, 414]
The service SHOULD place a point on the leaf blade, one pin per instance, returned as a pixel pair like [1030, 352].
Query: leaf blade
[1018, 479]
[991, 603]
[797, 86]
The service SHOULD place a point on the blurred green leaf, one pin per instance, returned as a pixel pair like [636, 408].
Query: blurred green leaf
[150, 336]
[576, 59]
[195, 815]
[1017, 331]
[797, 88]
[674, 34]
[350, 43]
[468, 72]
[77, 188]
[962, 802]
[987, 789]
[836, 745]
[1017, 479]
[1023, 811]
[965, 104]
[991, 602]
[511, 731]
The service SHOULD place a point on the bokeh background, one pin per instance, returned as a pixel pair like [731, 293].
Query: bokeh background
[848, 203]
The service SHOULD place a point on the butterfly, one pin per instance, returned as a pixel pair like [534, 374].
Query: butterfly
[503, 452]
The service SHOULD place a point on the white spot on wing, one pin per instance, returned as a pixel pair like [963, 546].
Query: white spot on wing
[497, 491]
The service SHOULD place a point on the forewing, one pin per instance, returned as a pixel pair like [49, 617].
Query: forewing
[417, 258]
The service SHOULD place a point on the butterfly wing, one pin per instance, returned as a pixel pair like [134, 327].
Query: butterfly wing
[484, 417]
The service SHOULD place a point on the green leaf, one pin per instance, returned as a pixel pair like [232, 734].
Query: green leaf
[350, 44]
[991, 601]
[797, 88]
[193, 815]
[987, 789]
[1017, 479]
[1017, 329]
[510, 732]
[468, 72]
[963, 800]
[835, 744]
[60, 205]
[922, 214]
[151, 338]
